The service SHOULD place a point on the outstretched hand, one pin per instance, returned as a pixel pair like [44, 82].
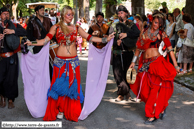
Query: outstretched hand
[111, 36]
[28, 42]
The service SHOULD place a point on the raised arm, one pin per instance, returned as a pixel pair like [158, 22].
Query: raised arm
[90, 38]
[44, 41]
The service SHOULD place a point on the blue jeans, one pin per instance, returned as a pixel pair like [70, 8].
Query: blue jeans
[172, 43]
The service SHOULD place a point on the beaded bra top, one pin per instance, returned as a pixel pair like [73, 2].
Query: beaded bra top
[66, 39]
[150, 42]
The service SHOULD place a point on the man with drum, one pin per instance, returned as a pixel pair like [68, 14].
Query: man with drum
[124, 42]
[99, 29]
[38, 27]
[9, 46]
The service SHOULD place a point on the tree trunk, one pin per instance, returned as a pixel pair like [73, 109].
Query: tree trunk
[20, 13]
[98, 6]
[81, 9]
[110, 8]
[14, 7]
[138, 7]
[75, 8]
[189, 9]
[86, 10]
[16, 17]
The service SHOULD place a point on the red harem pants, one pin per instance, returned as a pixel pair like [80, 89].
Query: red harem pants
[70, 107]
[157, 86]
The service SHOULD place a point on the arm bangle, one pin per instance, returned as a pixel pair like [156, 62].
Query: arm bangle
[134, 59]
[176, 67]
[171, 50]
[50, 36]
[90, 39]
[45, 42]
[104, 40]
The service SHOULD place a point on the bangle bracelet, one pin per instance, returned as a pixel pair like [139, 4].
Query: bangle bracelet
[176, 67]
[45, 42]
[104, 40]
[90, 39]
[171, 50]
[134, 59]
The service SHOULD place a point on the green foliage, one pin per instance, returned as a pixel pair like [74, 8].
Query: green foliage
[109, 2]
[152, 4]
[92, 4]
[171, 4]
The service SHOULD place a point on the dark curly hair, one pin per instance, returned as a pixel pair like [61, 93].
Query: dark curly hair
[187, 17]
[161, 18]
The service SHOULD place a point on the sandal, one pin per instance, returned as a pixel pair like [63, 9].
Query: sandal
[190, 70]
[149, 121]
[163, 114]
[183, 72]
[60, 115]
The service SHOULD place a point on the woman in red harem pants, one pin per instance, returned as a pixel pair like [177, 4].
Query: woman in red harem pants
[154, 82]
[64, 94]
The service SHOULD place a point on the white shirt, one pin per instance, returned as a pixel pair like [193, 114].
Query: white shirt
[169, 30]
[190, 32]
[84, 26]
[179, 23]
[53, 20]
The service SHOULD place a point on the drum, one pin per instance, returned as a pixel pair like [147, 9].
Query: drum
[131, 76]
[52, 52]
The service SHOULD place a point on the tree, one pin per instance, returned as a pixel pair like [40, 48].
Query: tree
[110, 6]
[152, 4]
[98, 6]
[189, 9]
[81, 9]
[138, 7]
[87, 9]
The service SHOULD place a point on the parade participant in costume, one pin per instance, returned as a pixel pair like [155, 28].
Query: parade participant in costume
[21, 22]
[99, 29]
[123, 45]
[65, 95]
[138, 22]
[154, 82]
[9, 58]
[38, 27]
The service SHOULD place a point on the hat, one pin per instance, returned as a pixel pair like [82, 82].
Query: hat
[131, 18]
[100, 13]
[122, 8]
[164, 4]
[115, 16]
[4, 9]
[38, 7]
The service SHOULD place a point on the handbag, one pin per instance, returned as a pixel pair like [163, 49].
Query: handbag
[189, 42]
[180, 42]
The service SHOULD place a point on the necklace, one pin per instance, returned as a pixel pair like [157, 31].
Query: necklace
[152, 35]
[67, 24]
